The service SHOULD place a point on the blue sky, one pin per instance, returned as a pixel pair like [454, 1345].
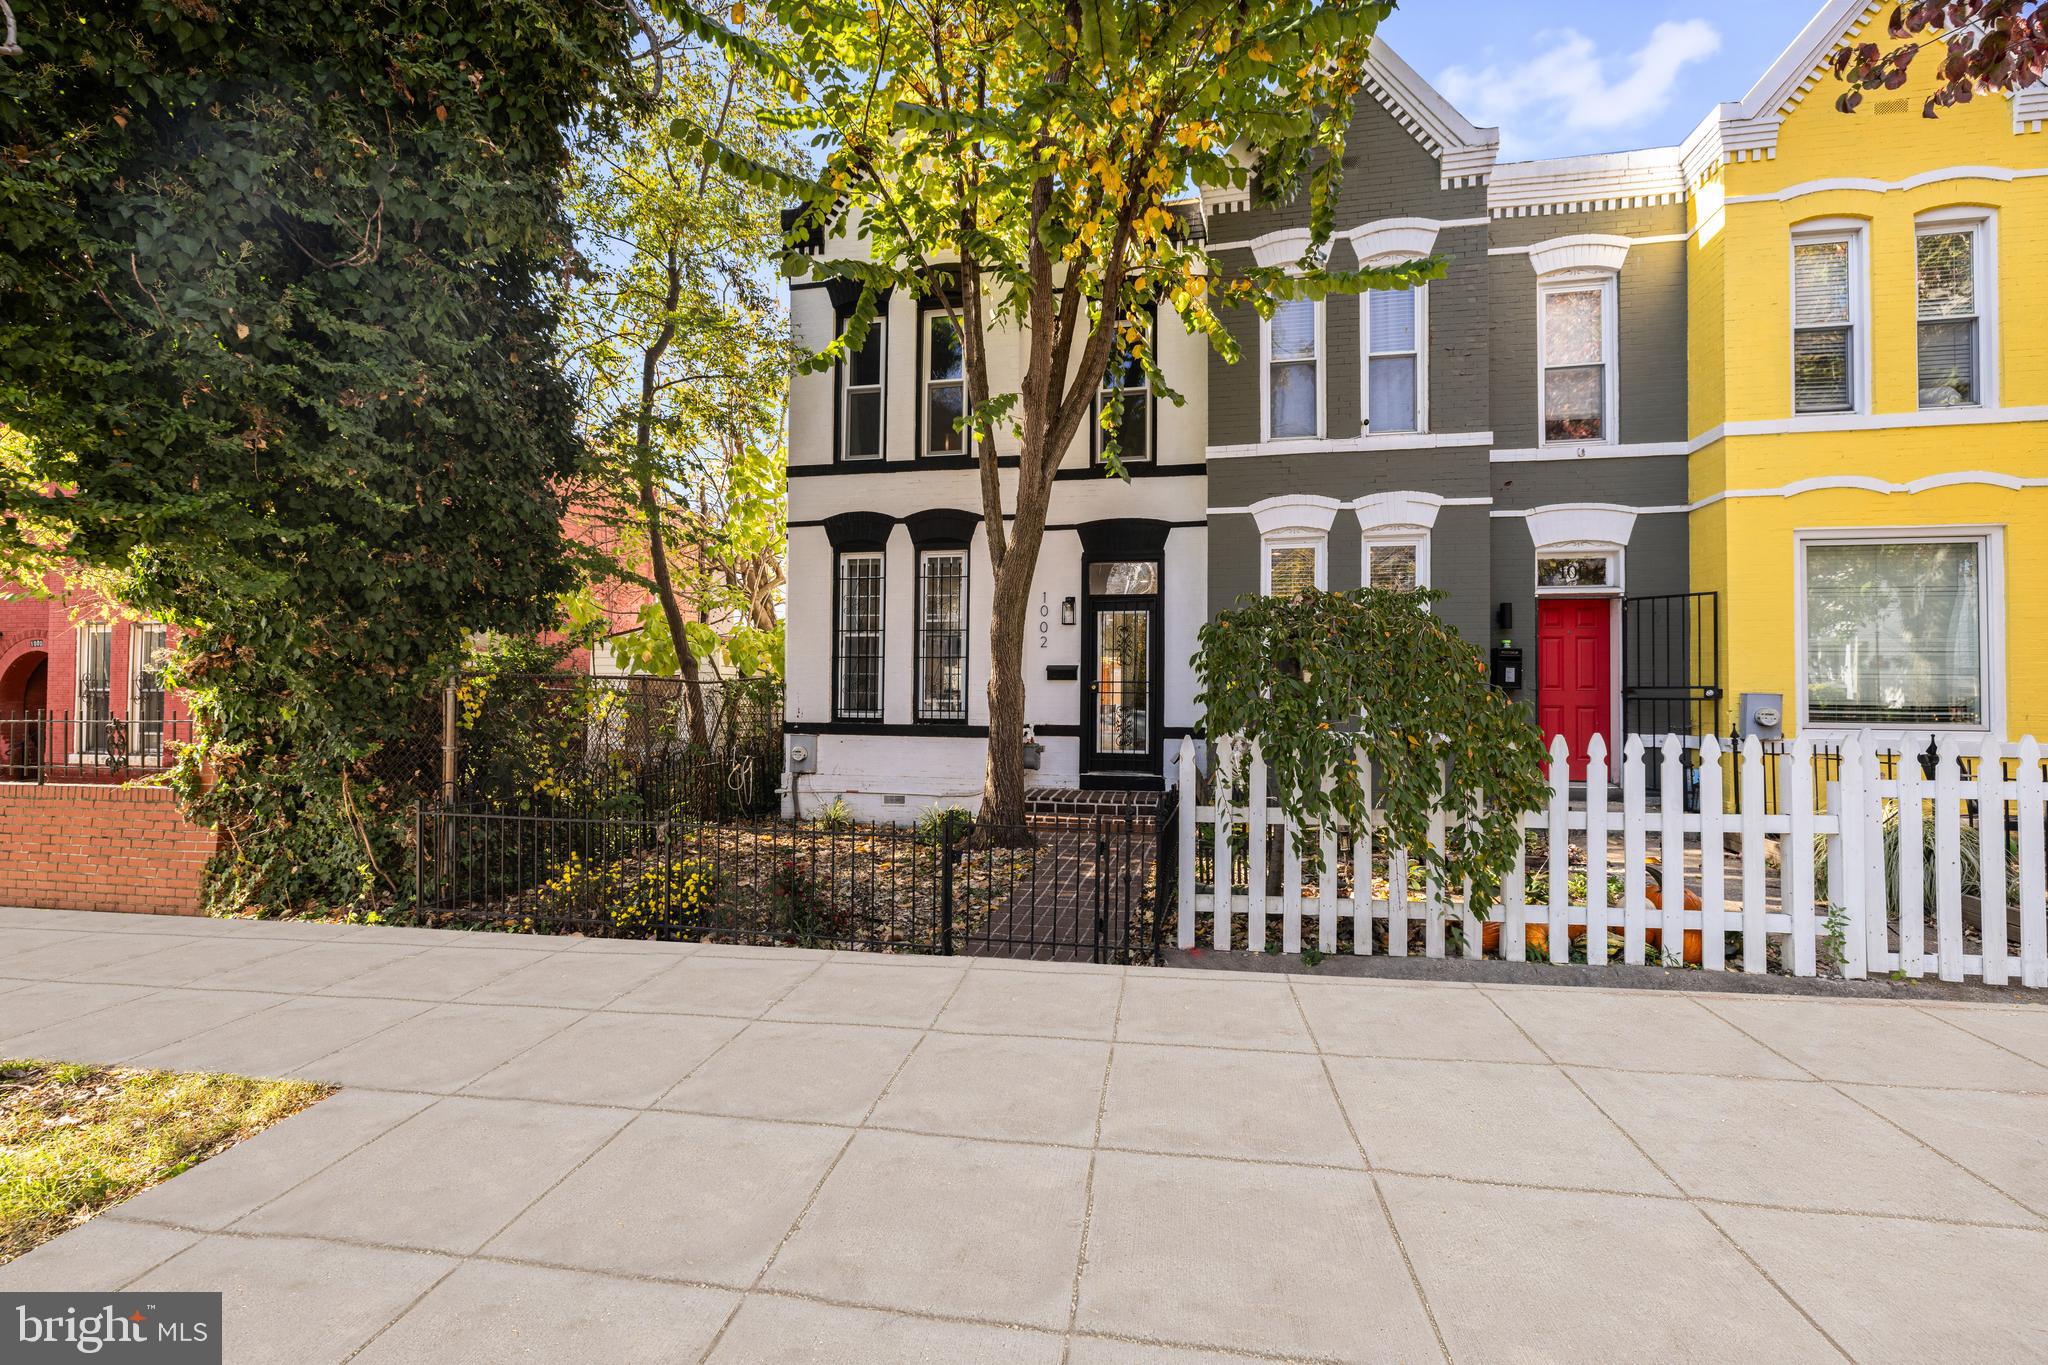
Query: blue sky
[1603, 75]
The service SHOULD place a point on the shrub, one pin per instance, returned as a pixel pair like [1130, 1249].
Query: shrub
[835, 817]
[635, 900]
[943, 824]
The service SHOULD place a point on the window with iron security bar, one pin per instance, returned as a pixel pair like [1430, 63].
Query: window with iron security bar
[95, 689]
[149, 643]
[857, 642]
[942, 635]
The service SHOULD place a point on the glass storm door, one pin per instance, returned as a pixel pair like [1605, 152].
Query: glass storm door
[1120, 701]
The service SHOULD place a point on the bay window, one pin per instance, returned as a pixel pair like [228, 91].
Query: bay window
[1897, 630]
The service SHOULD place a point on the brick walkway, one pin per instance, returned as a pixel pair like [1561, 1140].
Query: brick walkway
[557, 1150]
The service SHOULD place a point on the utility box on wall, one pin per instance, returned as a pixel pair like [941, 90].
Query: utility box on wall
[1507, 668]
[1763, 714]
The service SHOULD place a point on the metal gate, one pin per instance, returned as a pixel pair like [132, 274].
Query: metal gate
[1670, 664]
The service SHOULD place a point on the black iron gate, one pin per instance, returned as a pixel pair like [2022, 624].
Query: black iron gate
[1670, 664]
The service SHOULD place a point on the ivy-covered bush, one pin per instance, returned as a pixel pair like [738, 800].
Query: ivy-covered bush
[277, 367]
[1318, 679]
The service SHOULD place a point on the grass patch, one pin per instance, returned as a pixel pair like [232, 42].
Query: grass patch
[75, 1139]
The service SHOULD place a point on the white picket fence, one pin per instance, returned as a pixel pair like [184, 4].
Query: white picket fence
[1808, 881]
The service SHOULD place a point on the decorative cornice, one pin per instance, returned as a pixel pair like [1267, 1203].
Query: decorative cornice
[1586, 184]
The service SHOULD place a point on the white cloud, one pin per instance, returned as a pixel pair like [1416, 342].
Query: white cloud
[1553, 99]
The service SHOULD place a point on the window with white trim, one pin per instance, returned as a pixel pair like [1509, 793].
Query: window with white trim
[1292, 563]
[1576, 344]
[945, 385]
[1949, 290]
[857, 639]
[942, 635]
[1396, 388]
[1294, 386]
[860, 396]
[1399, 562]
[1827, 307]
[148, 642]
[95, 709]
[1896, 631]
[1577, 570]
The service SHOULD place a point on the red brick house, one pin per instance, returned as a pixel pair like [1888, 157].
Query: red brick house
[81, 692]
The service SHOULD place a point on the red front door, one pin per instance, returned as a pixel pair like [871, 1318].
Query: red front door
[1574, 672]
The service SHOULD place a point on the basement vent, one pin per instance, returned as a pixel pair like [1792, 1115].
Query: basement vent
[892, 800]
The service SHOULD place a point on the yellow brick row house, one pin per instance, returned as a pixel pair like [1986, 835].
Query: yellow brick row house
[1868, 398]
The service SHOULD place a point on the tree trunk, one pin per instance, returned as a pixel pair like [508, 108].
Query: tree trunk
[1002, 792]
[650, 508]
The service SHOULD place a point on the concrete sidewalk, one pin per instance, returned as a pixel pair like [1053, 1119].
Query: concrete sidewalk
[567, 1150]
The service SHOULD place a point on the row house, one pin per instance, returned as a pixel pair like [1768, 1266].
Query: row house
[82, 694]
[1729, 435]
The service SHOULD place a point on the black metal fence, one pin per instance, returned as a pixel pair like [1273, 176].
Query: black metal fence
[63, 746]
[1089, 889]
[629, 747]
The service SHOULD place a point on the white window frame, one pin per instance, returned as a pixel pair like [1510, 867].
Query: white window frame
[1853, 231]
[84, 748]
[1982, 225]
[1577, 282]
[1322, 368]
[1319, 541]
[1372, 540]
[1366, 353]
[878, 331]
[925, 384]
[1991, 606]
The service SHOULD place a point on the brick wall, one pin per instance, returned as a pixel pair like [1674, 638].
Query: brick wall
[99, 848]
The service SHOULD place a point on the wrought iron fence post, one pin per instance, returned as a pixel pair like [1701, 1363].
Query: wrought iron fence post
[945, 888]
[419, 835]
[1101, 890]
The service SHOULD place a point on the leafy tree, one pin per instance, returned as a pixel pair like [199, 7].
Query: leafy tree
[1017, 158]
[277, 345]
[1988, 47]
[676, 329]
[1318, 678]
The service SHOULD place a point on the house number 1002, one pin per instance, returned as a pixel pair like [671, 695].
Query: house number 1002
[1044, 621]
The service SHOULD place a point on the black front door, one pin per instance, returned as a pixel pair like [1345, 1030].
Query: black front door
[1120, 676]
